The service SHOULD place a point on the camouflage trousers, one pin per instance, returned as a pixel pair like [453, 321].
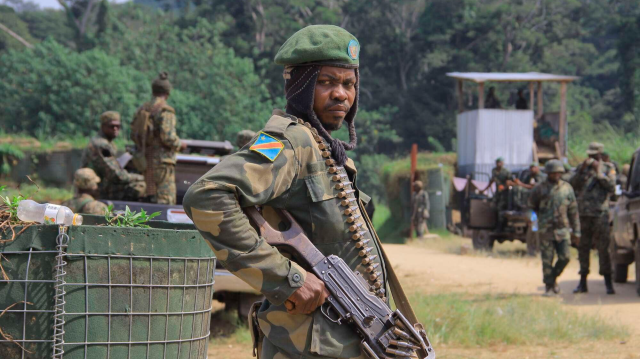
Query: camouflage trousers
[304, 336]
[595, 230]
[124, 191]
[420, 226]
[549, 247]
[164, 177]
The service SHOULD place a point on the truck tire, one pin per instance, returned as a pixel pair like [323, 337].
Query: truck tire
[533, 244]
[482, 241]
[620, 273]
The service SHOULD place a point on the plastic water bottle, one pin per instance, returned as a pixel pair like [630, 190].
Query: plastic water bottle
[31, 211]
[534, 221]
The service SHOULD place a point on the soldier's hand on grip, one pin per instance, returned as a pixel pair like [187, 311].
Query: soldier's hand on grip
[575, 240]
[307, 298]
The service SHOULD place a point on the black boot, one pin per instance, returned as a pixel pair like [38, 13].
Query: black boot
[608, 284]
[582, 286]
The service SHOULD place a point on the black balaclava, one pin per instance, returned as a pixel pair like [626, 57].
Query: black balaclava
[299, 87]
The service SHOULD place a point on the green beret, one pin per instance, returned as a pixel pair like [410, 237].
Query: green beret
[499, 159]
[320, 44]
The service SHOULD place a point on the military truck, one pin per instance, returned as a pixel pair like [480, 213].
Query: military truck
[519, 136]
[519, 222]
[193, 162]
[625, 216]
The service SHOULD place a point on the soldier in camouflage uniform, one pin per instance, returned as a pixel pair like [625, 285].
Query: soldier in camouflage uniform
[594, 182]
[500, 176]
[524, 187]
[420, 209]
[555, 204]
[86, 182]
[294, 164]
[161, 143]
[243, 137]
[116, 183]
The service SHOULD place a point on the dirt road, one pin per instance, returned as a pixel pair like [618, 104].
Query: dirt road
[433, 271]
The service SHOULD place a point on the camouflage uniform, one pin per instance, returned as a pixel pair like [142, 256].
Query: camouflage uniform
[322, 197]
[116, 183]
[500, 177]
[162, 146]
[593, 189]
[420, 212]
[85, 179]
[557, 210]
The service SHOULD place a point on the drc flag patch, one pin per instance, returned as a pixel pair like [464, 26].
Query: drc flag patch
[267, 146]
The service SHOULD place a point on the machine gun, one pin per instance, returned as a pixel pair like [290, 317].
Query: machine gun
[385, 333]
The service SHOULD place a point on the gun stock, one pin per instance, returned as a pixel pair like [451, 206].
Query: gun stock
[385, 333]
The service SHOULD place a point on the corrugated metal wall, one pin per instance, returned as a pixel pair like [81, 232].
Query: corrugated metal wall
[484, 135]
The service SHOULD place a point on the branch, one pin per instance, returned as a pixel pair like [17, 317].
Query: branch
[16, 36]
[85, 16]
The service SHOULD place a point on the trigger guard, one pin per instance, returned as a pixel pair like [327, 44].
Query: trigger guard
[325, 309]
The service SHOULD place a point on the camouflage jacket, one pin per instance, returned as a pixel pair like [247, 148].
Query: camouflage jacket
[556, 207]
[593, 189]
[323, 199]
[500, 177]
[163, 142]
[100, 155]
[420, 206]
[534, 179]
[85, 203]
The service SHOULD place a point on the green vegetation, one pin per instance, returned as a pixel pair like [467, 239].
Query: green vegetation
[482, 321]
[9, 206]
[128, 218]
[41, 194]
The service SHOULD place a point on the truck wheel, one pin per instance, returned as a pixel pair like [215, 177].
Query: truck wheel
[620, 273]
[482, 241]
[533, 245]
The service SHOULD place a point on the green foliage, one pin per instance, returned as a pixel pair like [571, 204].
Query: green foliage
[8, 154]
[52, 90]
[10, 19]
[9, 204]
[483, 321]
[128, 218]
[216, 92]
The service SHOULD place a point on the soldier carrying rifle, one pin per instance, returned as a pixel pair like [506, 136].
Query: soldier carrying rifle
[296, 165]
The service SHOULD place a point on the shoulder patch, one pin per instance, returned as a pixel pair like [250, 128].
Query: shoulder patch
[278, 124]
[267, 146]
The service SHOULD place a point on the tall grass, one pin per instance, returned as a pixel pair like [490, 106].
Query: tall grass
[42, 194]
[582, 131]
[480, 321]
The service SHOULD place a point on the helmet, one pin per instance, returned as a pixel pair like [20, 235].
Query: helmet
[86, 178]
[595, 148]
[554, 166]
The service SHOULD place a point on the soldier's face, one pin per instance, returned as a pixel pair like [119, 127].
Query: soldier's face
[534, 170]
[335, 93]
[554, 176]
[111, 129]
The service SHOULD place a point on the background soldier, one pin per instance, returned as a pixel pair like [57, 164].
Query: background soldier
[555, 203]
[100, 155]
[243, 137]
[154, 133]
[420, 209]
[523, 188]
[594, 182]
[500, 176]
[86, 182]
[296, 165]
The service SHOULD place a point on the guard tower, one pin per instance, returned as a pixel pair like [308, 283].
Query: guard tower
[519, 136]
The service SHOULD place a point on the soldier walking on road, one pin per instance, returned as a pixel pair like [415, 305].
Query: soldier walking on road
[420, 209]
[154, 133]
[85, 180]
[295, 164]
[100, 155]
[555, 204]
[594, 182]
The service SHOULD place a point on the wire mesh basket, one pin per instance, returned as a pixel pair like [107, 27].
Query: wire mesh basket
[100, 292]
